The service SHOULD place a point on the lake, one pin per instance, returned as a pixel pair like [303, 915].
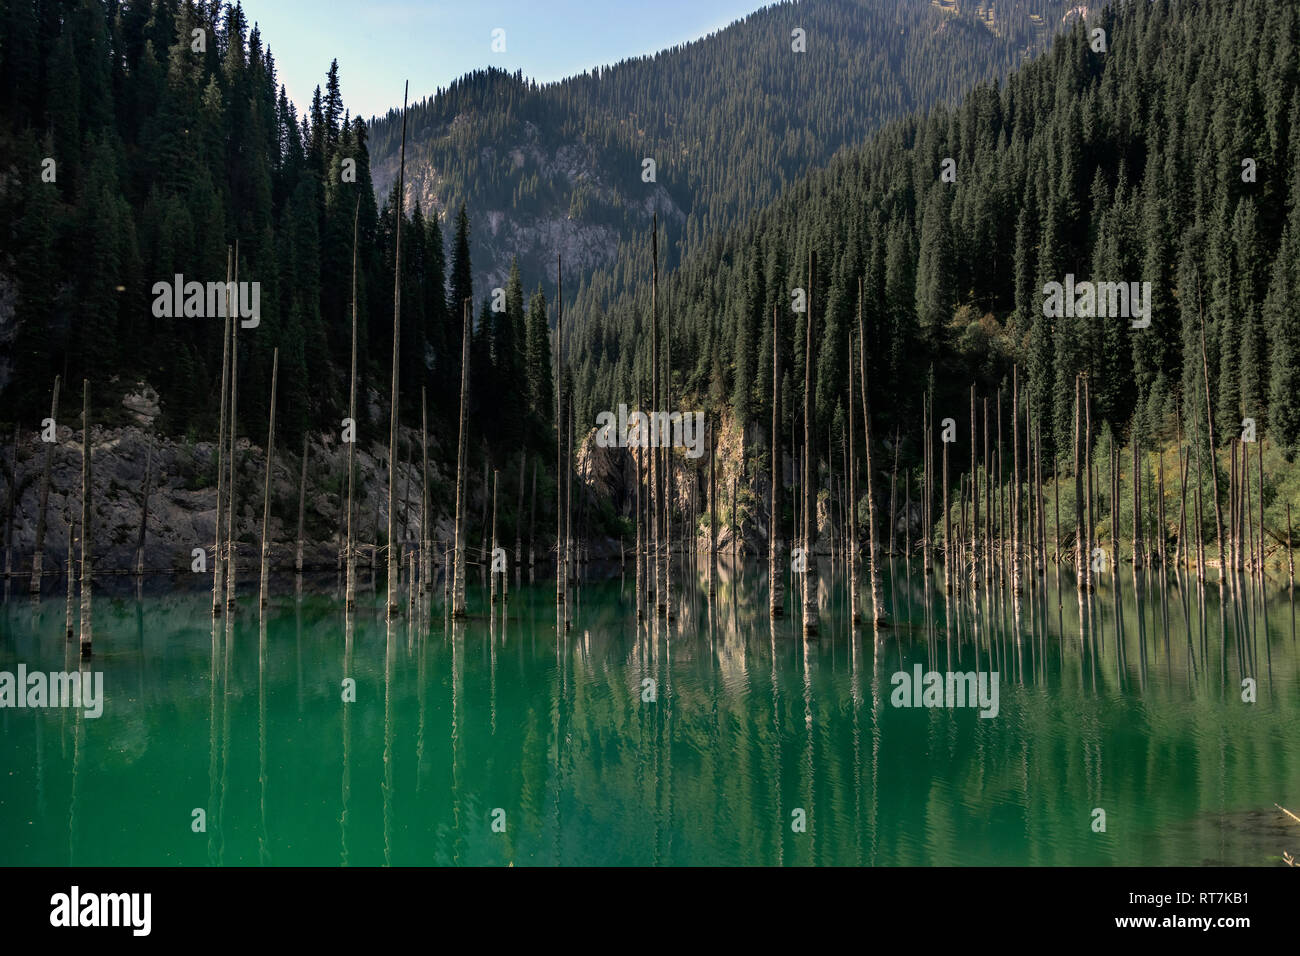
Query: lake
[717, 738]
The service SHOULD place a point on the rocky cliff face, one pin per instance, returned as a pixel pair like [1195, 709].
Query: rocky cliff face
[743, 521]
[554, 199]
[182, 499]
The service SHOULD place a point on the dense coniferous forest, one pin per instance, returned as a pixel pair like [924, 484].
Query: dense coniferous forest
[729, 119]
[169, 138]
[1129, 165]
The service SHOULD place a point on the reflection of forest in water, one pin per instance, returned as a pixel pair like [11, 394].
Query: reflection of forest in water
[748, 725]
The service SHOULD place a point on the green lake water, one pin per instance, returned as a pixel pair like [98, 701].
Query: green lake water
[495, 742]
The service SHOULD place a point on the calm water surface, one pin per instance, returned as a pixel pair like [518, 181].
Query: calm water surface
[459, 727]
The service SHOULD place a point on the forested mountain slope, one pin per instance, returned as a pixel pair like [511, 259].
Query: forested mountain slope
[729, 119]
[1172, 158]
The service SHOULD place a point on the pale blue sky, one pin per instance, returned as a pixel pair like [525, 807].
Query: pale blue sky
[381, 43]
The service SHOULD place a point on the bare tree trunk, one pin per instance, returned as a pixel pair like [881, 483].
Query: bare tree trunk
[1090, 519]
[907, 515]
[1056, 507]
[926, 479]
[1041, 498]
[1200, 535]
[393, 544]
[1113, 454]
[492, 570]
[1290, 555]
[1248, 511]
[1002, 514]
[1081, 559]
[426, 504]
[72, 578]
[656, 460]
[775, 558]
[1015, 479]
[218, 579]
[39, 554]
[561, 573]
[893, 497]
[350, 556]
[713, 509]
[231, 553]
[638, 460]
[86, 516]
[532, 521]
[988, 502]
[144, 509]
[1137, 508]
[483, 520]
[947, 521]
[1259, 473]
[1209, 421]
[851, 558]
[1160, 511]
[669, 496]
[266, 492]
[975, 499]
[568, 512]
[1180, 551]
[878, 615]
[735, 525]
[458, 574]
[302, 507]
[9, 508]
[810, 602]
[412, 578]
[517, 558]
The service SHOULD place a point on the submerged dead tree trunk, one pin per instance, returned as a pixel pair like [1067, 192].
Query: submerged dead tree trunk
[234, 471]
[458, 574]
[1016, 529]
[144, 509]
[217, 577]
[810, 609]
[516, 558]
[302, 506]
[776, 573]
[850, 465]
[561, 572]
[1290, 554]
[669, 496]
[1259, 473]
[638, 461]
[879, 617]
[492, 560]
[39, 554]
[532, 522]
[86, 514]
[713, 508]
[72, 582]
[266, 491]
[1080, 556]
[1209, 423]
[9, 506]
[657, 477]
[393, 545]
[350, 428]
